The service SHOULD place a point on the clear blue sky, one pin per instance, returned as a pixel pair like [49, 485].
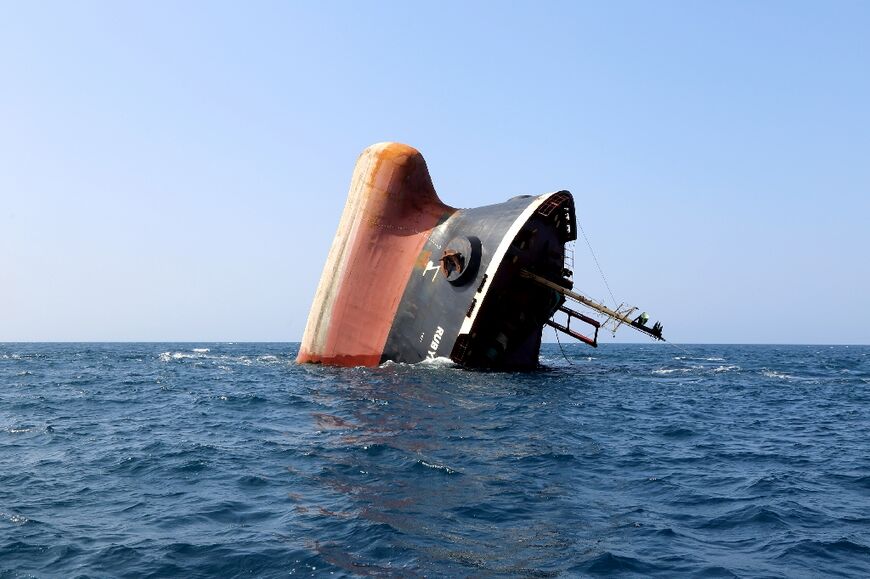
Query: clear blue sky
[176, 170]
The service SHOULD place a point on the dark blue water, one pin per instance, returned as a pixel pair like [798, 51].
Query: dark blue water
[201, 460]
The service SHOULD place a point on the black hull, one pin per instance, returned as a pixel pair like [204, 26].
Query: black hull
[492, 317]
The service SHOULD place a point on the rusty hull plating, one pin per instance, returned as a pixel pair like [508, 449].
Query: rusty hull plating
[410, 278]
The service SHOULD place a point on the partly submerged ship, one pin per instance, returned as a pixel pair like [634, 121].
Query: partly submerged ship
[410, 278]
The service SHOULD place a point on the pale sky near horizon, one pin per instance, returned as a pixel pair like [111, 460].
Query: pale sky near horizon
[176, 171]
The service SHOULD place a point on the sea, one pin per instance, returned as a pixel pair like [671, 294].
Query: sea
[229, 460]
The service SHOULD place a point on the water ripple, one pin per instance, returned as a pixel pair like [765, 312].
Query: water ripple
[201, 460]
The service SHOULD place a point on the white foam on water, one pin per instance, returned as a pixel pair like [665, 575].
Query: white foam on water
[775, 374]
[439, 362]
[441, 467]
[666, 371]
[725, 368]
[167, 356]
[14, 518]
[696, 369]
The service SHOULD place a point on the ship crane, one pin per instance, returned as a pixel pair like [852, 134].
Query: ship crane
[618, 317]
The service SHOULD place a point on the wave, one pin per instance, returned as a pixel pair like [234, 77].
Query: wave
[14, 518]
[206, 355]
[608, 563]
[168, 356]
[238, 458]
[696, 370]
[430, 363]
[752, 515]
[439, 362]
[821, 549]
[14, 430]
[438, 467]
[776, 374]
[667, 371]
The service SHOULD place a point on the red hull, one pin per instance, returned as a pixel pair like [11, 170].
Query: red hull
[390, 212]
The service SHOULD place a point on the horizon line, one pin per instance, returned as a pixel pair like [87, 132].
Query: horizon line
[665, 343]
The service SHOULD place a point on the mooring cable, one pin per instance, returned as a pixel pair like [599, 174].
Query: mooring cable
[598, 265]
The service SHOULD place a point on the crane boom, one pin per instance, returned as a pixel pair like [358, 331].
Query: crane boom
[655, 331]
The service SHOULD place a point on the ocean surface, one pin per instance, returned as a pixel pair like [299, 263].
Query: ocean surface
[203, 460]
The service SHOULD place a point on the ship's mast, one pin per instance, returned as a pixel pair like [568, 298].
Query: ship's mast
[638, 323]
